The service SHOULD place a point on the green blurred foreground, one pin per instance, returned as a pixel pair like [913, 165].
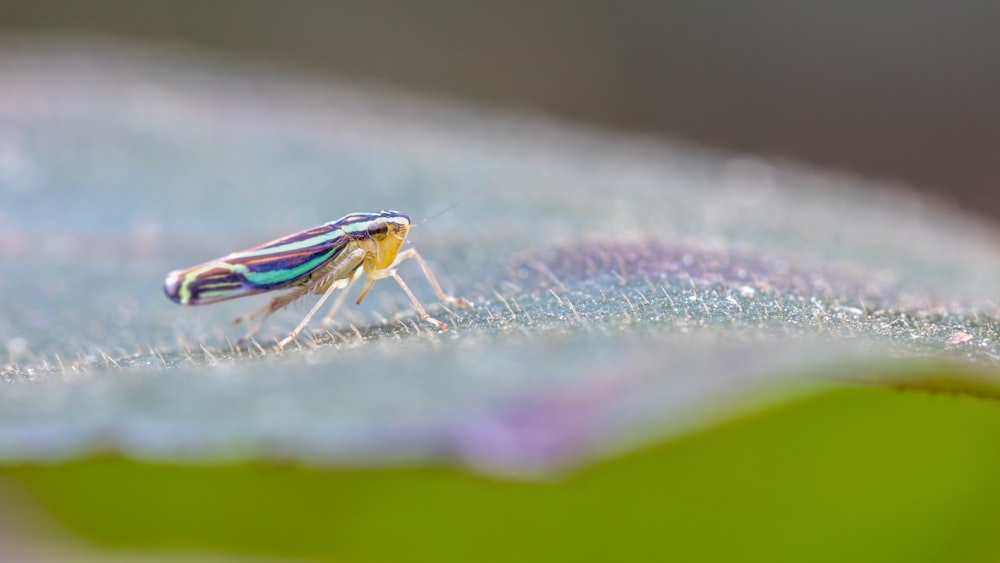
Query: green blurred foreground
[857, 474]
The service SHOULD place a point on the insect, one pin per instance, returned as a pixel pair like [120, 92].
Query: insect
[317, 261]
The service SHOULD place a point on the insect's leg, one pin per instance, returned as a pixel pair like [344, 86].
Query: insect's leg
[445, 298]
[368, 285]
[251, 316]
[340, 298]
[379, 274]
[349, 262]
[309, 315]
[275, 305]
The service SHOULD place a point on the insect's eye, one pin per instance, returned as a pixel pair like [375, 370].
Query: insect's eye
[378, 228]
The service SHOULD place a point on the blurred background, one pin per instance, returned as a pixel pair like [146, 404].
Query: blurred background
[900, 90]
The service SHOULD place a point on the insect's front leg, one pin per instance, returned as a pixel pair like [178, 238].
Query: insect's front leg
[445, 298]
[375, 275]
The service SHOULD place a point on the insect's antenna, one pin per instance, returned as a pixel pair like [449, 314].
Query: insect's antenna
[446, 209]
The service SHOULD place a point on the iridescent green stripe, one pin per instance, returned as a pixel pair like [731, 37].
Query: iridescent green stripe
[287, 275]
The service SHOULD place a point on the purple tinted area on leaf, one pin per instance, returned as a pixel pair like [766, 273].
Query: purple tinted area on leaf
[654, 263]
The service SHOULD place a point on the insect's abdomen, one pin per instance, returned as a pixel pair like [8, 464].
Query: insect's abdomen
[207, 284]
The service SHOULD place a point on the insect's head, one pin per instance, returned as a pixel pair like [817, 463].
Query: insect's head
[388, 232]
[389, 224]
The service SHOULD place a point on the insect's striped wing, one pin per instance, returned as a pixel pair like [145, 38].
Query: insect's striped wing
[275, 265]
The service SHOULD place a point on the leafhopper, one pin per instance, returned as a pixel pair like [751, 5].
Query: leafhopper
[316, 261]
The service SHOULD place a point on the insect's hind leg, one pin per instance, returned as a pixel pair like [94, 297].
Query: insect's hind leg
[274, 306]
[332, 280]
[376, 275]
[329, 289]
